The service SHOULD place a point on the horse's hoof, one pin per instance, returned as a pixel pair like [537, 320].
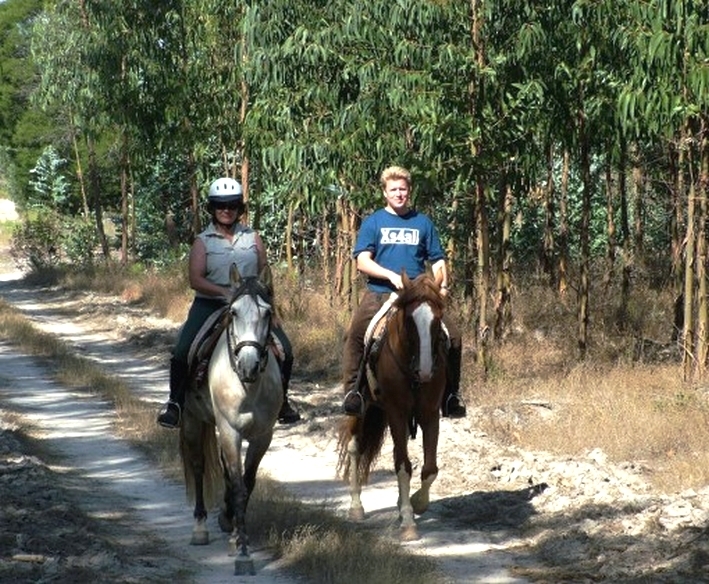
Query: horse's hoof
[356, 513]
[244, 566]
[419, 502]
[200, 538]
[409, 533]
[225, 523]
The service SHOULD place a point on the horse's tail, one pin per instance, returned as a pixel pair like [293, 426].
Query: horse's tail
[213, 478]
[370, 432]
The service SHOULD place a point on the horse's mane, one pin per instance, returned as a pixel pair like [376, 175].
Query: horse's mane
[420, 289]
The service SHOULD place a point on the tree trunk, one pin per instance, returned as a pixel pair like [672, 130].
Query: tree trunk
[289, 238]
[676, 159]
[95, 194]
[194, 194]
[610, 224]
[125, 219]
[345, 270]
[79, 169]
[503, 312]
[326, 250]
[476, 96]
[549, 212]
[564, 227]
[689, 266]
[584, 276]
[482, 231]
[702, 310]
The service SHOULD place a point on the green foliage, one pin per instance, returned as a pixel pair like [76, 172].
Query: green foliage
[35, 240]
[78, 240]
[322, 95]
[48, 182]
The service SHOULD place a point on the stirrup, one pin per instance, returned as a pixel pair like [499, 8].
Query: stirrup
[165, 418]
[458, 410]
[288, 414]
[353, 403]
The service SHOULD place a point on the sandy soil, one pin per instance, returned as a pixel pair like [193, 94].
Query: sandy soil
[497, 515]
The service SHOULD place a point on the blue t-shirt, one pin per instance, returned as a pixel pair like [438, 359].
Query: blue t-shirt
[398, 243]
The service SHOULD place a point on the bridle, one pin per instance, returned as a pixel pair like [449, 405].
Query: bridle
[255, 288]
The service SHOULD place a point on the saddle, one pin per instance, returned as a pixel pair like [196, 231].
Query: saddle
[206, 339]
[372, 344]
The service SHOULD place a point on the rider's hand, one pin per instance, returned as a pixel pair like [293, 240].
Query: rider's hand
[396, 280]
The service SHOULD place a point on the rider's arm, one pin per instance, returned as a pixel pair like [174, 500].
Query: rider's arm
[261, 251]
[440, 266]
[198, 271]
[367, 265]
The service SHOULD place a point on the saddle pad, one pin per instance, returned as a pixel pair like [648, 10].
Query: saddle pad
[376, 325]
[204, 333]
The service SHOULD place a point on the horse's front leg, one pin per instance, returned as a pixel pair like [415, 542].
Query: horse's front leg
[230, 441]
[420, 499]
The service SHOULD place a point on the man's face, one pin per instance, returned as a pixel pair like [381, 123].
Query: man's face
[396, 192]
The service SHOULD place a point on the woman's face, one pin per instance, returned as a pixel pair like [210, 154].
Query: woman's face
[226, 213]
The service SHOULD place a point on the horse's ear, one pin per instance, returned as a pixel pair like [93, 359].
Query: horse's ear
[234, 275]
[266, 277]
[405, 279]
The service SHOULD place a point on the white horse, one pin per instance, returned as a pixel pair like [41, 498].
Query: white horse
[241, 400]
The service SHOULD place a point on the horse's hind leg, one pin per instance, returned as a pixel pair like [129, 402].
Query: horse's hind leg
[200, 533]
[356, 512]
[226, 515]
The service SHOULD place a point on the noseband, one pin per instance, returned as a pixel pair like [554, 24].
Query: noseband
[255, 288]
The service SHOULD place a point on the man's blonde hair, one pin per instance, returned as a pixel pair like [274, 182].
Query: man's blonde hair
[395, 173]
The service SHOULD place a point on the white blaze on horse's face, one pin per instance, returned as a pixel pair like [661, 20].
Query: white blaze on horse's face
[251, 325]
[423, 318]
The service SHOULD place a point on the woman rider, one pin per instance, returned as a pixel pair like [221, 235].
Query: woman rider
[224, 242]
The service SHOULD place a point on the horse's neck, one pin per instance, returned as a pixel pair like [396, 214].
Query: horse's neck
[396, 328]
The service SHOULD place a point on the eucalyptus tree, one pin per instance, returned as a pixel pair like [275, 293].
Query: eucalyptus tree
[69, 87]
[64, 86]
[21, 126]
[336, 99]
[128, 56]
[666, 99]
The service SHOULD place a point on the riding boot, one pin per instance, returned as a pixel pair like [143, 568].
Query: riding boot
[453, 406]
[288, 414]
[171, 413]
[353, 404]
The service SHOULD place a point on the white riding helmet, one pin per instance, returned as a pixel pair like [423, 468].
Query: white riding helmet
[225, 190]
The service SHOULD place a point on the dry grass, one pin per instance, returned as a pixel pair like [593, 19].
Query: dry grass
[539, 396]
[315, 326]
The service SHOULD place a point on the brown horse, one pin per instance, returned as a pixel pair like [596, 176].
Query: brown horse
[406, 378]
